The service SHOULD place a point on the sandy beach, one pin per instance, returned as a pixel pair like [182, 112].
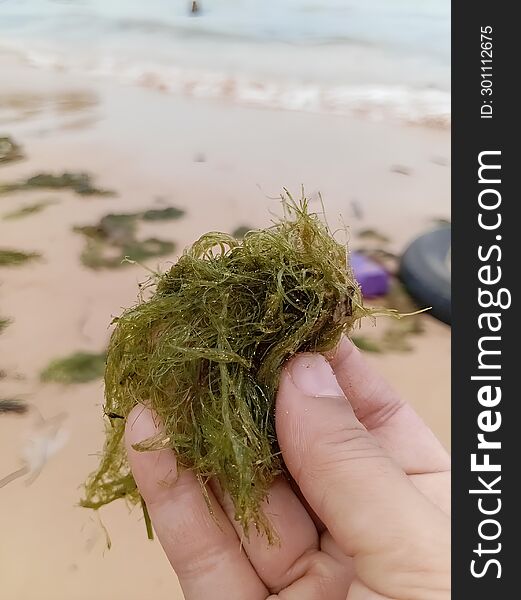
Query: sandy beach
[225, 167]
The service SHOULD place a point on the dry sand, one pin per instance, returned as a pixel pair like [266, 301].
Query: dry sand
[224, 166]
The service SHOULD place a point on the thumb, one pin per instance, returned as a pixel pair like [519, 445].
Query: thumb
[362, 496]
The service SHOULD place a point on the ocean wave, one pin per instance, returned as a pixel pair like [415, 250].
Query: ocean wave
[419, 106]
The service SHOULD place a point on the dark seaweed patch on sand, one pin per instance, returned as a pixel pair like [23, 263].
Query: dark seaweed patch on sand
[80, 182]
[10, 151]
[79, 367]
[14, 258]
[114, 239]
[27, 210]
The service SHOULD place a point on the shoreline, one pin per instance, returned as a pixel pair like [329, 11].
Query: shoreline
[378, 99]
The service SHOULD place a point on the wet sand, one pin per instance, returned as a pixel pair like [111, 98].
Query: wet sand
[225, 167]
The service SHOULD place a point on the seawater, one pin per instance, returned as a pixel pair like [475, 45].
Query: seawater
[377, 58]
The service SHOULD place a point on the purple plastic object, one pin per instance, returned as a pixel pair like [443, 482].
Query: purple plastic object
[372, 277]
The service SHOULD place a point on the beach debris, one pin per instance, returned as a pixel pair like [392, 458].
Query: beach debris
[28, 209]
[79, 367]
[114, 239]
[205, 352]
[79, 182]
[374, 245]
[425, 270]
[382, 256]
[241, 231]
[401, 170]
[13, 406]
[374, 279]
[9, 150]
[46, 438]
[10, 257]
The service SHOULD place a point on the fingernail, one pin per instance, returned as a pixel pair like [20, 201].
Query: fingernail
[313, 376]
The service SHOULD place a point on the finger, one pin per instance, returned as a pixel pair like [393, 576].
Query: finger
[324, 580]
[391, 420]
[203, 549]
[362, 496]
[279, 563]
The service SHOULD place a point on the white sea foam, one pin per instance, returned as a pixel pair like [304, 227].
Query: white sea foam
[420, 106]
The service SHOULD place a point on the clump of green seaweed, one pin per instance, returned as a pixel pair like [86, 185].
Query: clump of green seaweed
[9, 150]
[114, 239]
[80, 182]
[13, 258]
[79, 367]
[205, 352]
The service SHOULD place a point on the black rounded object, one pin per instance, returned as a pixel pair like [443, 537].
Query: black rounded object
[425, 271]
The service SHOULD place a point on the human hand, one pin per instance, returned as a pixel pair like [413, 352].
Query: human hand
[369, 520]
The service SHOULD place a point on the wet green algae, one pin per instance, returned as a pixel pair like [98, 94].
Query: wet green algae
[113, 243]
[241, 231]
[27, 210]
[79, 367]
[13, 406]
[80, 182]
[9, 257]
[205, 352]
[4, 323]
[10, 151]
